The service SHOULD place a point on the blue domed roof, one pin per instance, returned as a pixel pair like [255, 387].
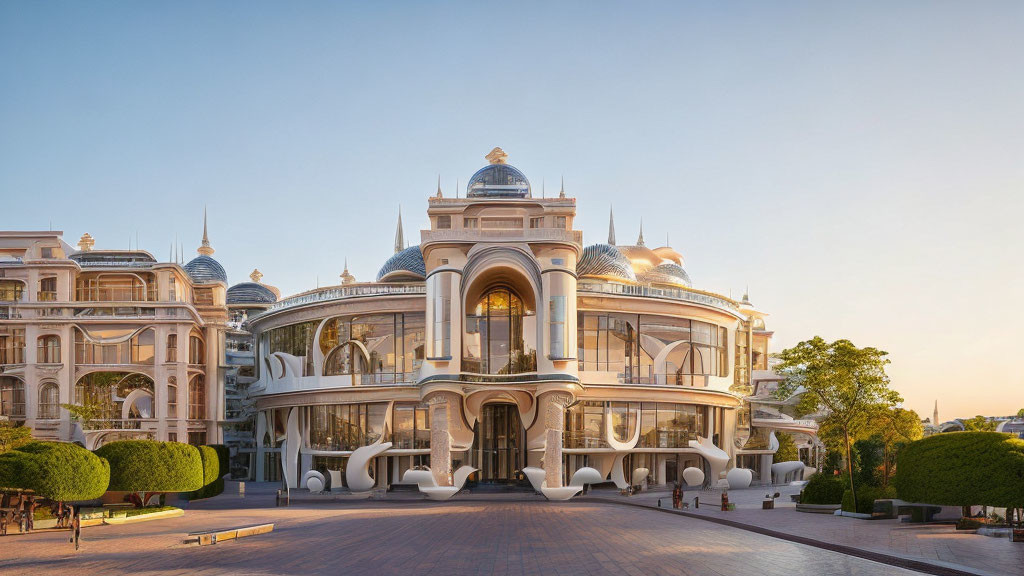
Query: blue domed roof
[250, 293]
[204, 269]
[405, 265]
[605, 260]
[498, 181]
[667, 273]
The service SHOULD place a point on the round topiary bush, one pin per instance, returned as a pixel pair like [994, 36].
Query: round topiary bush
[823, 489]
[213, 484]
[962, 469]
[149, 466]
[56, 470]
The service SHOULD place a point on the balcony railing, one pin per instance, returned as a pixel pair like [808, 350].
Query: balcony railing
[120, 424]
[668, 293]
[10, 295]
[115, 294]
[46, 296]
[483, 235]
[343, 292]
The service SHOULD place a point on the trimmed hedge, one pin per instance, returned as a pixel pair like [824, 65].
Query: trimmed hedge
[56, 470]
[962, 469]
[150, 466]
[866, 496]
[213, 484]
[223, 458]
[823, 489]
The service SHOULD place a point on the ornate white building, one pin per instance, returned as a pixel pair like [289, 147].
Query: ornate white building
[502, 343]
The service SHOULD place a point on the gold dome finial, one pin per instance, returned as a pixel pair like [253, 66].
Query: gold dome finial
[85, 243]
[497, 156]
[346, 276]
[256, 275]
[205, 248]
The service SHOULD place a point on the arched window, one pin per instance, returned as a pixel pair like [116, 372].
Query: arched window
[197, 398]
[49, 401]
[346, 359]
[48, 351]
[196, 350]
[172, 397]
[498, 327]
[12, 397]
[172, 347]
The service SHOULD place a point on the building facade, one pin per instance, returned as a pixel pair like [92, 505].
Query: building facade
[100, 345]
[501, 342]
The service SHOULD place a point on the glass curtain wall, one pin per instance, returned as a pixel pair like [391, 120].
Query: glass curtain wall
[412, 426]
[500, 335]
[378, 348]
[91, 349]
[345, 427]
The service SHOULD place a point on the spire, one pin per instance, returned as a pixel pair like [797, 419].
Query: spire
[456, 187]
[561, 193]
[543, 191]
[935, 415]
[611, 226]
[640, 239]
[85, 243]
[439, 195]
[205, 249]
[399, 234]
[346, 276]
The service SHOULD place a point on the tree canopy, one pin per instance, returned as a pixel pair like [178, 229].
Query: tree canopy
[979, 424]
[12, 437]
[150, 466]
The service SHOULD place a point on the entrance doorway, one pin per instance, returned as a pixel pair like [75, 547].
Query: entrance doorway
[498, 447]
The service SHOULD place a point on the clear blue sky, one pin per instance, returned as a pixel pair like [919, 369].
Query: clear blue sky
[859, 165]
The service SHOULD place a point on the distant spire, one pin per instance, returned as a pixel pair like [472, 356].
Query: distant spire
[205, 249]
[561, 193]
[170, 253]
[439, 195]
[611, 226]
[346, 276]
[640, 239]
[399, 234]
[935, 415]
[456, 187]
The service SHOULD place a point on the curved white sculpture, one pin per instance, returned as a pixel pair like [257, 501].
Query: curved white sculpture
[639, 475]
[780, 470]
[739, 478]
[536, 477]
[436, 492]
[314, 481]
[618, 476]
[357, 473]
[563, 493]
[336, 481]
[693, 476]
[717, 458]
[290, 450]
[419, 477]
[586, 475]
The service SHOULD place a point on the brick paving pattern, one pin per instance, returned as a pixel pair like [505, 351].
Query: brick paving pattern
[470, 537]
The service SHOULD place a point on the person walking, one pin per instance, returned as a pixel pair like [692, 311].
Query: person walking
[3, 523]
[76, 527]
[30, 522]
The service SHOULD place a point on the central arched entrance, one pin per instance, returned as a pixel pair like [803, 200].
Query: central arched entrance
[498, 445]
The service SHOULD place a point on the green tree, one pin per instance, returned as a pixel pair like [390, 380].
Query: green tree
[848, 383]
[143, 466]
[787, 451]
[979, 424]
[13, 437]
[1020, 413]
[895, 428]
[59, 471]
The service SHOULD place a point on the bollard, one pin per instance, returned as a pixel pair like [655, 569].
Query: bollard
[241, 489]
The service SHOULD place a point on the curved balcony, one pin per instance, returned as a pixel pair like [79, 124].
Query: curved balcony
[693, 296]
[342, 293]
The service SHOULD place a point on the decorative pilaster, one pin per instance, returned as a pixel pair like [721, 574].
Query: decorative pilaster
[554, 424]
[440, 440]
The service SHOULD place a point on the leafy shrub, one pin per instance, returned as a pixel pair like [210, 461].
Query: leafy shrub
[823, 489]
[866, 496]
[150, 466]
[963, 469]
[213, 483]
[223, 457]
[56, 470]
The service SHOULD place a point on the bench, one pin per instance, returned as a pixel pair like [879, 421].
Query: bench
[918, 513]
[214, 536]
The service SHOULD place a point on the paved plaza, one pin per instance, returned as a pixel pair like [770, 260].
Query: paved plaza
[484, 534]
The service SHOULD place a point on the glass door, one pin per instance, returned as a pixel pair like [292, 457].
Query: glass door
[497, 444]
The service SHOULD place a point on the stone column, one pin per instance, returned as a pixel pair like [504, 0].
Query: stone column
[554, 423]
[440, 440]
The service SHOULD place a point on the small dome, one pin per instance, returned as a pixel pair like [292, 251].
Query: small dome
[605, 260]
[204, 269]
[250, 293]
[405, 265]
[667, 273]
[498, 180]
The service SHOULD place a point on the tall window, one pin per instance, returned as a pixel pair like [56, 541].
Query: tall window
[197, 398]
[442, 315]
[11, 290]
[558, 330]
[496, 341]
[172, 288]
[444, 222]
[12, 346]
[172, 397]
[196, 350]
[48, 351]
[12, 397]
[172, 347]
[49, 401]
